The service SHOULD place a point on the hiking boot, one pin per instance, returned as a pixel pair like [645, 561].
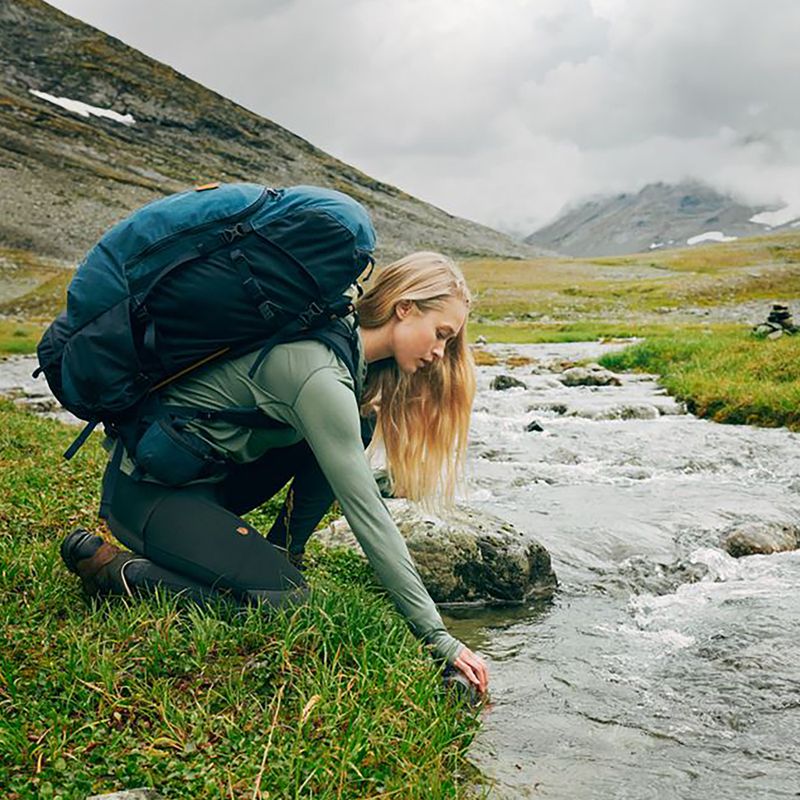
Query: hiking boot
[99, 565]
[78, 545]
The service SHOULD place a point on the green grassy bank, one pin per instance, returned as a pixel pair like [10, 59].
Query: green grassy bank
[724, 376]
[333, 700]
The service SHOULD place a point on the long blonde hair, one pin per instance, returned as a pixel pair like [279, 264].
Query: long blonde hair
[423, 418]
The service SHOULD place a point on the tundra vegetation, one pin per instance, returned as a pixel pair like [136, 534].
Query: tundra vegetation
[335, 699]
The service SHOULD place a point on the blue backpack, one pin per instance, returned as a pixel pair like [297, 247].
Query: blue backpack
[209, 273]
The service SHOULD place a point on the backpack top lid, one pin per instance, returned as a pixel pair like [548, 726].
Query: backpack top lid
[343, 208]
[144, 241]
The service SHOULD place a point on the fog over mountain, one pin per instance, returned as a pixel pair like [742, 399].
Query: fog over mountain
[504, 112]
[658, 216]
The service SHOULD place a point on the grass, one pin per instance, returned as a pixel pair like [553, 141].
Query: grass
[727, 377]
[333, 700]
[637, 287]
[19, 338]
[586, 331]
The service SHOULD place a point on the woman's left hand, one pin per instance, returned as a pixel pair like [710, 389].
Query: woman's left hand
[473, 668]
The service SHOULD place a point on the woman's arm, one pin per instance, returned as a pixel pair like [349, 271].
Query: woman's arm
[326, 413]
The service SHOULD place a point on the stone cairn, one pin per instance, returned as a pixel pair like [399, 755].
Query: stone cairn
[779, 322]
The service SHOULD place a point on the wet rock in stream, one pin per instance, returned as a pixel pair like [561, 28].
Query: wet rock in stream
[761, 538]
[503, 382]
[590, 375]
[468, 556]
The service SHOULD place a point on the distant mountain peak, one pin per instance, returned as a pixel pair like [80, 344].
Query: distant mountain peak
[658, 215]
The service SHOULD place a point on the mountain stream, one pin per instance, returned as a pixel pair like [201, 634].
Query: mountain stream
[663, 668]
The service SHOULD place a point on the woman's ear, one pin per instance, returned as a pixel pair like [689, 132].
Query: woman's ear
[403, 308]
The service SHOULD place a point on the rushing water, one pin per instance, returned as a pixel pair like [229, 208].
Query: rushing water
[663, 668]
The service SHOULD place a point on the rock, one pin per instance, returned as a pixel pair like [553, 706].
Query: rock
[534, 427]
[764, 329]
[467, 556]
[128, 794]
[480, 340]
[503, 382]
[553, 408]
[778, 322]
[762, 538]
[592, 375]
[622, 411]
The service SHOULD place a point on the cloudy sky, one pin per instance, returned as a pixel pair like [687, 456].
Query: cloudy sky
[503, 111]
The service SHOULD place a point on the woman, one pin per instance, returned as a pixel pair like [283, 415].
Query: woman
[414, 378]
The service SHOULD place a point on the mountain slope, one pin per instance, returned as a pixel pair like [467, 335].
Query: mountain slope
[67, 177]
[660, 215]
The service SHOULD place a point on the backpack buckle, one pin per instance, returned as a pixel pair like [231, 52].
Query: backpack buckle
[236, 231]
[310, 314]
[267, 310]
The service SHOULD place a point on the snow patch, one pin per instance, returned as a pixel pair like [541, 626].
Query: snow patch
[656, 245]
[84, 109]
[775, 218]
[711, 236]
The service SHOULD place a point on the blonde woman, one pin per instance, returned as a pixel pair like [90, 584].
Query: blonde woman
[413, 380]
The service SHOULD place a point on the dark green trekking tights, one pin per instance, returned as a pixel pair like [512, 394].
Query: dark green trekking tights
[193, 540]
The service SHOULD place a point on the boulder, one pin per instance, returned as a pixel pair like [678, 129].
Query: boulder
[469, 556]
[534, 427]
[590, 375]
[503, 382]
[761, 538]
[128, 794]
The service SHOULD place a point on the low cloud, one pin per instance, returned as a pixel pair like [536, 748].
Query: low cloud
[504, 112]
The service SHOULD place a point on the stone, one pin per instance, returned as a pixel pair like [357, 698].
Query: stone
[480, 340]
[534, 427]
[764, 329]
[592, 375]
[467, 556]
[128, 794]
[618, 411]
[761, 538]
[778, 322]
[503, 382]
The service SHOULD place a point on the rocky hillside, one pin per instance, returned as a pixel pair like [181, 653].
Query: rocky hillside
[67, 175]
[658, 216]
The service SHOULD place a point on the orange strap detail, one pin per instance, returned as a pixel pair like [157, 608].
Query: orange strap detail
[190, 368]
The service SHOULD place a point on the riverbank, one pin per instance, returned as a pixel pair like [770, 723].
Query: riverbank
[334, 700]
[725, 376]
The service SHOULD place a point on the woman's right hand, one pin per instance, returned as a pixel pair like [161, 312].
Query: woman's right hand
[473, 668]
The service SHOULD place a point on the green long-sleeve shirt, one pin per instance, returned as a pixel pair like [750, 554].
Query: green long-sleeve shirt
[307, 387]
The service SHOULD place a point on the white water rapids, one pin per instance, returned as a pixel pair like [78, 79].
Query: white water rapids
[664, 668]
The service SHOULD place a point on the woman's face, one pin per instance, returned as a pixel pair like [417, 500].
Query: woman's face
[420, 337]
